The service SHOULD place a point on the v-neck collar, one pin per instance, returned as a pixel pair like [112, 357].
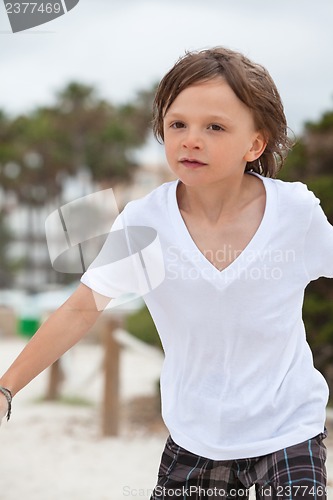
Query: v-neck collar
[249, 253]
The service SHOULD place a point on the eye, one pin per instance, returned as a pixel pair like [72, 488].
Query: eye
[216, 127]
[177, 125]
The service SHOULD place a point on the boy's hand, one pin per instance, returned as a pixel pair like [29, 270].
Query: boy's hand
[3, 406]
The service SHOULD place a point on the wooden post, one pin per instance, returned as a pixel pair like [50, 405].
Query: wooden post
[55, 379]
[111, 406]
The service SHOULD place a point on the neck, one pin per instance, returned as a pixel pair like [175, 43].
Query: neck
[214, 201]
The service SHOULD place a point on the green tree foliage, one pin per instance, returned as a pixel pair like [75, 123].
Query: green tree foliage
[100, 135]
[39, 150]
[6, 269]
[80, 130]
[6, 155]
[141, 325]
[311, 162]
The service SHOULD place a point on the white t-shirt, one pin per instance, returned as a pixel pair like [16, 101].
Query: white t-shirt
[238, 378]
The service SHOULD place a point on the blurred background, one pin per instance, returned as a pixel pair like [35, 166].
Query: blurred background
[75, 114]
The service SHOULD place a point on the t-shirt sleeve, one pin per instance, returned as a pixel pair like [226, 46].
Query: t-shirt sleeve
[130, 261]
[96, 276]
[318, 245]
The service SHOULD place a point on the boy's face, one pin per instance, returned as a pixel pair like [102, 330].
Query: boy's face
[209, 134]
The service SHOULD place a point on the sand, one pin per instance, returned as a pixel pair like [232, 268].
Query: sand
[55, 451]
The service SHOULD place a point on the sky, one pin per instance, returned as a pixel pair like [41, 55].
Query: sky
[123, 46]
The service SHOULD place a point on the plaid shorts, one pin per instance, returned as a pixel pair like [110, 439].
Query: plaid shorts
[295, 472]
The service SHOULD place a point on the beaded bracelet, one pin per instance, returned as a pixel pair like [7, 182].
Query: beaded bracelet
[8, 395]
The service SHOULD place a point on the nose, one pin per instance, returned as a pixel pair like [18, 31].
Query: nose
[192, 139]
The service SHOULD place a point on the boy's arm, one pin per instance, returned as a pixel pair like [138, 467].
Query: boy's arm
[64, 328]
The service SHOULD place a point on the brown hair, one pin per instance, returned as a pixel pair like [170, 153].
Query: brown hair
[252, 84]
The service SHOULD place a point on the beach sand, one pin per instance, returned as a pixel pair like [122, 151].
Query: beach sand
[55, 451]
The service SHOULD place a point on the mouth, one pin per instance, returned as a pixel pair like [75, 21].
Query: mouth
[192, 163]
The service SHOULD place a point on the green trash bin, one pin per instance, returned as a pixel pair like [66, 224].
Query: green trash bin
[27, 326]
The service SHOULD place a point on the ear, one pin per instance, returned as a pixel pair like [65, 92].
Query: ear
[257, 147]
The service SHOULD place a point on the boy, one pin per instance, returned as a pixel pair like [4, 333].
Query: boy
[240, 396]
